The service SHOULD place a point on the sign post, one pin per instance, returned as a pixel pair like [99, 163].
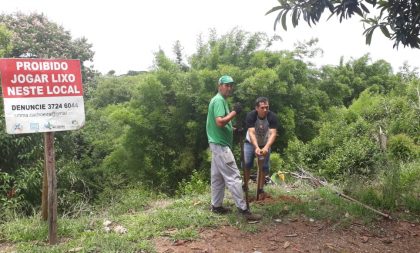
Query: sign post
[43, 95]
[52, 186]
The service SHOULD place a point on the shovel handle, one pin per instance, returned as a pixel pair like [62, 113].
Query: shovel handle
[260, 175]
[245, 188]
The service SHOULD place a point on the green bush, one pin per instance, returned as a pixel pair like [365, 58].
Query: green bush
[410, 177]
[396, 188]
[391, 190]
[73, 192]
[196, 185]
[402, 147]
[128, 199]
[29, 180]
[20, 192]
[354, 156]
[410, 186]
[276, 163]
[10, 198]
[296, 155]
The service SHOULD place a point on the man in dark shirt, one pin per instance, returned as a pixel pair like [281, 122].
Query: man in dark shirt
[261, 133]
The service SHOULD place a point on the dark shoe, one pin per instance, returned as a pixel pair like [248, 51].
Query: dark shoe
[245, 188]
[253, 177]
[267, 180]
[220, 210]
[250, 216]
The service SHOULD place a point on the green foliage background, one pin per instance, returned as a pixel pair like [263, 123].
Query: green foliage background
[148, 128]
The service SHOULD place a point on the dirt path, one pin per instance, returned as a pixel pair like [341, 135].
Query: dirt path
[302, 236]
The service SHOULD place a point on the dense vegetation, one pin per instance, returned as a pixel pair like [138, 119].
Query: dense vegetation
[356, 123]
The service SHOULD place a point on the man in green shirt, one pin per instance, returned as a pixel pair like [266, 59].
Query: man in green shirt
[224, 171]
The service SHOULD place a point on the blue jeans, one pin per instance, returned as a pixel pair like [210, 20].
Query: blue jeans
[249, 157]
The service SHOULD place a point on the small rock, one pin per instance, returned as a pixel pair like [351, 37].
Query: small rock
[277, 220]
[286, 244]
[179, 242]
[365, 239]
[107, 223]
[120, 229]
[253, 222]
[387, 241]
[330, 246]
[76, 249]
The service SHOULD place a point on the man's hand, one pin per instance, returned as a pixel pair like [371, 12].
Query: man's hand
[258, 152]
[264, 151]
[237, 107]
[261, 151]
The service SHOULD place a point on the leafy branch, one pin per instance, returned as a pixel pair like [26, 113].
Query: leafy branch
[398, 20]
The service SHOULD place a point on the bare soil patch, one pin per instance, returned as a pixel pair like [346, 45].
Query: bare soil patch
[302, 236]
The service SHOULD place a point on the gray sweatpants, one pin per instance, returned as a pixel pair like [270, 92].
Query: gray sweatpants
[225, 173]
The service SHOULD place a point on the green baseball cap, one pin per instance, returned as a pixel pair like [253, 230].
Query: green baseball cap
[226, 79]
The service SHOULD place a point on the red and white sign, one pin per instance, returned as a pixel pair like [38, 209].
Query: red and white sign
[42, 95]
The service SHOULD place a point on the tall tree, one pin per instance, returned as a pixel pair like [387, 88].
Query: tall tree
[398, 20]
[5, 40]
[36, 37]
[236, 48]
[177, 49]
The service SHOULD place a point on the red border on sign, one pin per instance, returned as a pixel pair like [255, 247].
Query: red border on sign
[29, 78]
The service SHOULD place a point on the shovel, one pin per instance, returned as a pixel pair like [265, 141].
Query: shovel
[245, 186]
[260, 175]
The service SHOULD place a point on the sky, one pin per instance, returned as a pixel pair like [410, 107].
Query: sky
[125, 34]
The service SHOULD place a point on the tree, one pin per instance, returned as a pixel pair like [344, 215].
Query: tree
[36, 37]
[177, 49]
[398, 20]
[307, 49]
[236, 48]
[5, 40]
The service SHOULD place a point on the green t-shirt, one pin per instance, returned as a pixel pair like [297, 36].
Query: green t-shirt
[218, 107]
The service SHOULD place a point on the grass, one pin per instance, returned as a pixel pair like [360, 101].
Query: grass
[147, 216]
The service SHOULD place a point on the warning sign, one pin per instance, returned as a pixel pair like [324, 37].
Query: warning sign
[42, 95]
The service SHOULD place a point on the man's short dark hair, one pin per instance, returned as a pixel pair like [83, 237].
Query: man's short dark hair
[261, 100]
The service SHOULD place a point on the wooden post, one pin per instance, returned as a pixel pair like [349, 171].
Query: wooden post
[52, 186]
[44, 201]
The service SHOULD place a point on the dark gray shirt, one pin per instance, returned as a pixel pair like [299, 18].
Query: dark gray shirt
[261, 126]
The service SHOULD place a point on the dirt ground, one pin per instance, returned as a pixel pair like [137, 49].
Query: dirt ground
[302, 236]
[296, 235]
